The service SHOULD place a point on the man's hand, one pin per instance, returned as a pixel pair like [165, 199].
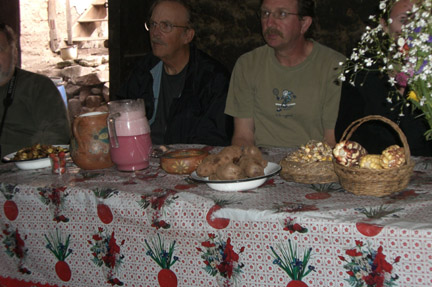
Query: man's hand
[329, 138]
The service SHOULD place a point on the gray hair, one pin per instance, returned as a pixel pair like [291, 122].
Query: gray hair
[181, 2]
[10, 34]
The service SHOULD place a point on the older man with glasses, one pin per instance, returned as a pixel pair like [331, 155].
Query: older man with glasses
[32, 110]
[285, 92]
[184, 89]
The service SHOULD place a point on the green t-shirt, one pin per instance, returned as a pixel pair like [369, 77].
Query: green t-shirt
[289, 105]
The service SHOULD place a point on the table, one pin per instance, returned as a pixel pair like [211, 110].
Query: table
[107, 227]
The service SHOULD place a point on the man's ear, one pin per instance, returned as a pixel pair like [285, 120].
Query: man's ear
[306, 23]
[15, 55]
[189, 35]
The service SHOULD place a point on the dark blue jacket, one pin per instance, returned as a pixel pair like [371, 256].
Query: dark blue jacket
[197, 116]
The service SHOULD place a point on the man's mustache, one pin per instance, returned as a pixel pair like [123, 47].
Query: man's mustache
[158, 41]
[273, 31]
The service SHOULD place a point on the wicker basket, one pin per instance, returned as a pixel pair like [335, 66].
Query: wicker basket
[362, 181]
[319, 172]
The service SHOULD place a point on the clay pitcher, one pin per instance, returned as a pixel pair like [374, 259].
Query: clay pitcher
[90, 148]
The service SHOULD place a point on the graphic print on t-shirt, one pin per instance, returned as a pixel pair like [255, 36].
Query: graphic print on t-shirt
[284, 100]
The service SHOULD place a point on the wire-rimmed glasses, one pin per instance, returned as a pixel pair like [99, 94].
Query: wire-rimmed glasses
[278, 14]
[164, 26]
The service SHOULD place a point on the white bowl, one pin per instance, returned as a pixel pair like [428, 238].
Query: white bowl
[31, 163]
[240, 184]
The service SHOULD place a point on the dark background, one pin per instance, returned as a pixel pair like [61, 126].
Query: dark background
[225, 29]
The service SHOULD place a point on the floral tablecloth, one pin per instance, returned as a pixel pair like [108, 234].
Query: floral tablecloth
[150, 228]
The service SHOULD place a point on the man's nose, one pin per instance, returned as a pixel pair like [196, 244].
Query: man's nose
[269, 21]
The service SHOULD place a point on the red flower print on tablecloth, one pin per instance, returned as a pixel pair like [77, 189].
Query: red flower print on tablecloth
[287, 257]
[15, 246]
[160, 199]
[185, 186]
[269, 183]
[148, 174]
[368, 267]
[59, 246]
[294, 207]
[420, 178]
[289, 224]
[107, 255]
[404, 195]
[9, 207]
[103, 210]
[218, 222]
[368, 228]
[220, 259]
[163, 255]
[54, 197]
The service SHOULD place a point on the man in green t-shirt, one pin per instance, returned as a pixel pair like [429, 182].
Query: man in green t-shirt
[285, 93]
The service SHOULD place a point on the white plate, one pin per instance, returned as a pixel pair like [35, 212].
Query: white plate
[240, 184]
[31, 163]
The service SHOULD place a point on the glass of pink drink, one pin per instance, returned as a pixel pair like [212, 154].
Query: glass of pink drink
[129, 132]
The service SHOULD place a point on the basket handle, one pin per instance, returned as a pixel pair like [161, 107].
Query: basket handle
[355, 124]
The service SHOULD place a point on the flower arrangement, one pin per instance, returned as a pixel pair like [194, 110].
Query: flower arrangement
[15, 246]
[106, 254]
[59, 247]
[406, 59]
[289, 224]
[378, 212]
[157, 250]
[56, 245]
[8, 190]
[367, 267]
[54, 197]
[220, 258]
[163, 255]
[289, 261]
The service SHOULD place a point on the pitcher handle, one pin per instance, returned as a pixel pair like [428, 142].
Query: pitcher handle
[112, 131]
[76, 134]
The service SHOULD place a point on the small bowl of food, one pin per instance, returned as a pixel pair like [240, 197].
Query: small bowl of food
[35, 157]
[182, 161]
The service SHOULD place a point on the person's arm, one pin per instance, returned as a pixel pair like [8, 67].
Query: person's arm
[329, 137]
[47, 110]
[243, 132]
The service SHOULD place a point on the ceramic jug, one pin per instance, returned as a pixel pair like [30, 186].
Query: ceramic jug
[129, 134]
[90, 144]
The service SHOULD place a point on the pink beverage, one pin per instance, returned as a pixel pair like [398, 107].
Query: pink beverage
[130, 143]
[132, 153]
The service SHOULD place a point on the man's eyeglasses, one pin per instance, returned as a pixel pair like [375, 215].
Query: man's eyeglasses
[164, 26]
[278, 14]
